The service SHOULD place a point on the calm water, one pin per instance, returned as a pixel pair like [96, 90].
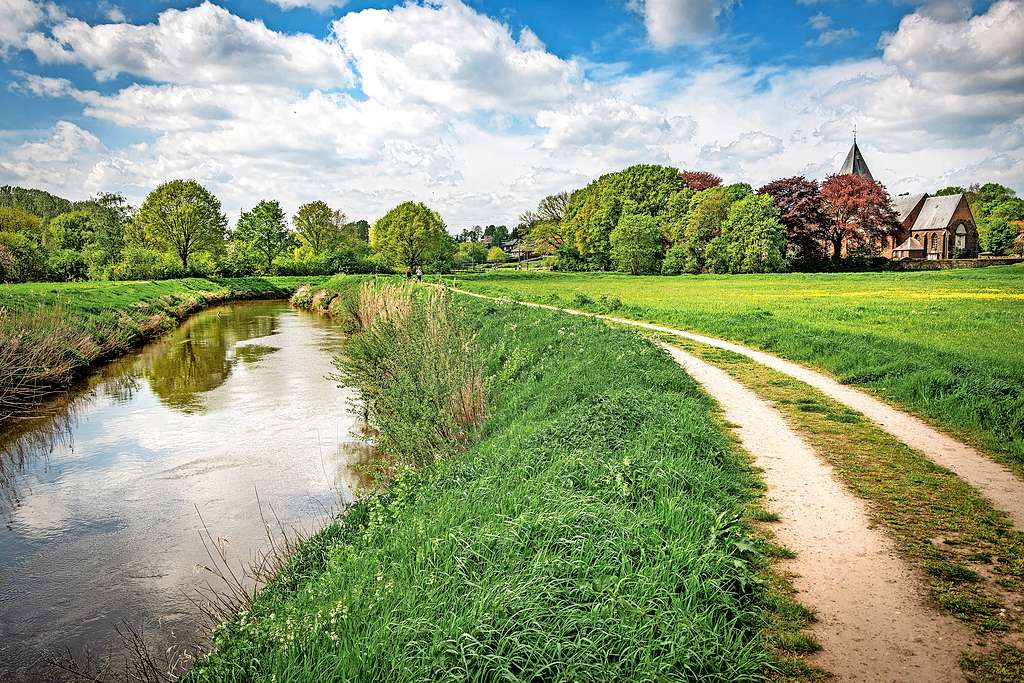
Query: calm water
[99, 496]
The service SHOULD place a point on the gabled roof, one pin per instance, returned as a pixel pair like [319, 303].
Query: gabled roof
[910, 244]
[855, 164]
[905, 205]
[937, 212]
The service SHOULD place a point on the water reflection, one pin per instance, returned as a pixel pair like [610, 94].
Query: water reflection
[99, 491]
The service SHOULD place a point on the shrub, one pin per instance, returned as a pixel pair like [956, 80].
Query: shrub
[67, 265]
[22, 259]
[140, 263]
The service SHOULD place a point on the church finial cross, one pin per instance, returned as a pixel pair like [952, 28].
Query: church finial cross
[855, 132]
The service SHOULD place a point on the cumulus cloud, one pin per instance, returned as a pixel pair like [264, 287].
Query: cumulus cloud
[451, 56]
[203, 44]
[671, 22]
[20, 17]
[459, 111]
[318, 5]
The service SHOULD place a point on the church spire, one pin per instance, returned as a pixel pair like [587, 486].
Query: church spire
[855, 164]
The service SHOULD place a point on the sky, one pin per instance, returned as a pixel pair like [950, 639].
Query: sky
[480, 108]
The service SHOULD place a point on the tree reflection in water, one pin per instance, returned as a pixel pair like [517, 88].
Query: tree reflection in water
[179, 369]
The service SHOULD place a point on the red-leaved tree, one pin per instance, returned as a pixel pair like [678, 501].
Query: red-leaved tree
[858, 209]
[800, 210]
[700, 180]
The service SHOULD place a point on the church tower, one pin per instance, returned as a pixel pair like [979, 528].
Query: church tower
[855, 164]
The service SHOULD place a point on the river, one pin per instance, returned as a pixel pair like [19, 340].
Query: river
[103, 495]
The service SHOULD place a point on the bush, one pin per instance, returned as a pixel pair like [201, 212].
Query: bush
[636, 245]
[140, 263]
[22, 259]
[675, 260]
[67, 265]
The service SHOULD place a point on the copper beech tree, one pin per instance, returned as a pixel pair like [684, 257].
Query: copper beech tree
[800, 210]
[700, 180]
[856, 209]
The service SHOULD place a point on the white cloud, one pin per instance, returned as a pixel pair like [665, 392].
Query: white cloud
[61, 161]
[318, 5]
[203, 44]
[20, 17]
[449, 55]
[671, 22]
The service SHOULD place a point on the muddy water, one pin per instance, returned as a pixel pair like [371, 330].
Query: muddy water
[99, 494]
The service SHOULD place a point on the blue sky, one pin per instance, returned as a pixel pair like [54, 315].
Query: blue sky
[482, 107]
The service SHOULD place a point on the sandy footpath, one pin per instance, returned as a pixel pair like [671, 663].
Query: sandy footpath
[874, 622]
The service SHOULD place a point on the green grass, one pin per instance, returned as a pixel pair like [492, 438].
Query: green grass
[598, 529]
[944, 344]
[969, 554]
[52, 333]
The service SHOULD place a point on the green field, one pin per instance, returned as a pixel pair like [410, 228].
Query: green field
[948, 345]
[597, 529]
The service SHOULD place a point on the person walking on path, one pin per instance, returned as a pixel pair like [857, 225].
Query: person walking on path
[419, 274]
[408, 273]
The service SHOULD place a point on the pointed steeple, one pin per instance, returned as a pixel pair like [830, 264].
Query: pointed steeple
[855, 164]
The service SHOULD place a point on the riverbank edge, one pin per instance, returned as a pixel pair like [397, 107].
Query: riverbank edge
[780, 635]
[67, 330]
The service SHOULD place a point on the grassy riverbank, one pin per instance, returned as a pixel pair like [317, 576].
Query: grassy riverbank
[944, 344]
[51, 333]
[594, 526]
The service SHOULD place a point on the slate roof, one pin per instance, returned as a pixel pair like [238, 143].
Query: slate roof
[855, 164]
[937, 212]
[905, 205]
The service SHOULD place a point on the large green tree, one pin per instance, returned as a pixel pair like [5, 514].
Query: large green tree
[410, 235]
[593, 212]
[318, 227]
[184, 218]
[265, 230]
[705, 219]
[753, 240]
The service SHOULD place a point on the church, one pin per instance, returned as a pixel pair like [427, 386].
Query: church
[931, 227]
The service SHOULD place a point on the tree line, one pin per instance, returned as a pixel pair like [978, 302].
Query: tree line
[181, 230]
[656, 219]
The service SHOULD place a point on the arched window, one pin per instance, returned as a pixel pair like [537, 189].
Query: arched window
[961, 237]
[935, 242]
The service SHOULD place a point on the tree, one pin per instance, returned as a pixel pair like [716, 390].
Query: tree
[183, 217]
[13, 219]
[1000, 224]
[265, 230]
[358, 230]
[636, 244]
[800, 211]
[410, 235]
[1019, 241]
[706, 216]
[471, 252]
[699, 181]
[317, 227]
[857, 209]
[950, 190]
[72, 230]
[753, 240]
[496, 255]
[593, 212]
[552, 208]
[36, 202]
[497, 233]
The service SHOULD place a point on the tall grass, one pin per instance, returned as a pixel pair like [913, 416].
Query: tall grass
[416, 368]
[594, 531]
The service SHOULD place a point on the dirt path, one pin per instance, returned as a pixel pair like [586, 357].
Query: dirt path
[992, 480]
[874, 623]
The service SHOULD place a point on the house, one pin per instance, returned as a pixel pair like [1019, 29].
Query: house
[934, 228]
[930, 227]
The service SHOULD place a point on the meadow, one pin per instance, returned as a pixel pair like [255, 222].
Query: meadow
[596, 525]
[944, 344]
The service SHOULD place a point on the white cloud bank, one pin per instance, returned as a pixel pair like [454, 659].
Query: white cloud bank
[437, 102]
